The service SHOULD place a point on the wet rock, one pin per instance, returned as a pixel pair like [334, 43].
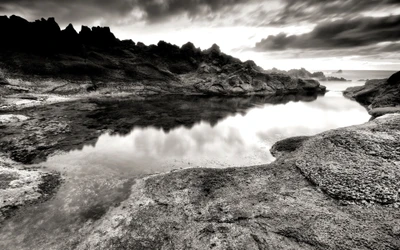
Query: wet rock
[21, 187]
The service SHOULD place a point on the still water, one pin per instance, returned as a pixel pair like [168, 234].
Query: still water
[99, 176]
[242, 139]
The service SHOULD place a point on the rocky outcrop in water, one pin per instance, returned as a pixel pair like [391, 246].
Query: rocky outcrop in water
[305, 74]
[93, 60]
[379, 96]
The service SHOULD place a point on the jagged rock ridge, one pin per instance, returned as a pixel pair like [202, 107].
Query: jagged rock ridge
[68, 62]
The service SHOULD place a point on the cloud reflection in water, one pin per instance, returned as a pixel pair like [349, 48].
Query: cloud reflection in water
[239, 140]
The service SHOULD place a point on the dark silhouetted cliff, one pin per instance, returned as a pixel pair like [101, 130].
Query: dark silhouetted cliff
[45, 59]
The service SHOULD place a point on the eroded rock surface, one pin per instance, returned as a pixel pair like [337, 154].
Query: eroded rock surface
[20, 186]
[355, 170]
[360, 163]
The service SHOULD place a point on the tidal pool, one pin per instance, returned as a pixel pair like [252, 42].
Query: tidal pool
[155, 136]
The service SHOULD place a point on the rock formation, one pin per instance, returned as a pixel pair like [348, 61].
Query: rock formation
[94, 60]
[379, 96]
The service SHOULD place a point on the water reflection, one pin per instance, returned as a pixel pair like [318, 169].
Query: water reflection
[239, 140]
[156, 136]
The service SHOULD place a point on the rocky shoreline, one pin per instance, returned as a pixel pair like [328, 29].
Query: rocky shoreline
[271, 206]
[379, 96]
[335, 190]
[49, 77]
[36, 129]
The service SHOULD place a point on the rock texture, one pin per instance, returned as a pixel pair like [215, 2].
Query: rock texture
[273, 206]
[379, 96]
[360, 163]
[93, 60]
[20, 186]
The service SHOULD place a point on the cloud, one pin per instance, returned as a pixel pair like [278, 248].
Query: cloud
[159, 10]
[352, 33]
[295, 11]
[372, 51]
[147, 10]
[219, 12]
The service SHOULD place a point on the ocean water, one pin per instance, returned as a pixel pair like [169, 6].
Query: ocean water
[354, 77]
[99, 176]
[360, 75]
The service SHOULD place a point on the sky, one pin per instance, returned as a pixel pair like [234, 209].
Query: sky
[286, 34]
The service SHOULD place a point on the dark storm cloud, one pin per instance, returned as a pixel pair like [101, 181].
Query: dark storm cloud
[388, 51]
[153, 10]
[158, 10]
[66, 11]
[361, 31]
[318, 10]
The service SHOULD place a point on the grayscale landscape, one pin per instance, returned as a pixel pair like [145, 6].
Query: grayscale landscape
[183, 124]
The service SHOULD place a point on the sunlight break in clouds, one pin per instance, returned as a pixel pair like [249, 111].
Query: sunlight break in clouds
[318, 28]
